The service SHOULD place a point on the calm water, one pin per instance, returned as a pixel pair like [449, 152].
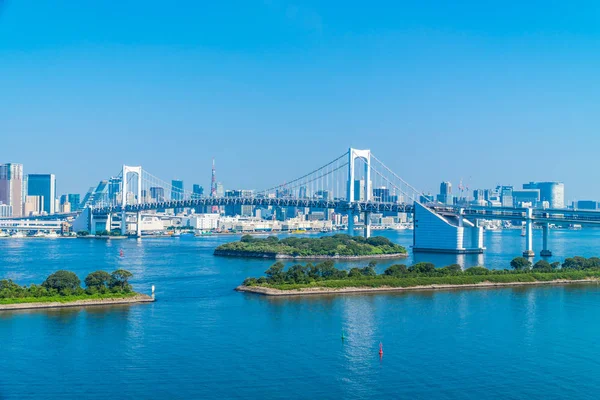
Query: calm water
[203, 340]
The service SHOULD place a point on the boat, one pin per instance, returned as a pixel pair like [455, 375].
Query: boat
[52, 235]
[4, 234]
[18, 235]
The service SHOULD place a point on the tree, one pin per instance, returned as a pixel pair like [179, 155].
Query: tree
[422, 268]
[520, 263]
[98, 280]
[247, 239]
[542, 266]
[275, 273]
[369, 270]
[396, 270]
[62, 281]
[555, 265]
[452, 269]
[120, 279]
[297, 274]
[477, 271]
[576, 262]
[354, 273]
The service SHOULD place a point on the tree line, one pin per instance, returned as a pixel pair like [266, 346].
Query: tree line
[324, 271]
[339, 244]
[66, 283]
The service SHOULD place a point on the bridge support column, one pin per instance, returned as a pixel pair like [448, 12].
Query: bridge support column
[92, 224]
[350, 223]
[123, 223]
[138, 230]
[529, 235]
[367, 225]
[545, 252]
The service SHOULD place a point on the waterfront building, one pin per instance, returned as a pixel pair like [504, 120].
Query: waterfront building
[11, 187]
[74, 200]
[586, 205]
[43, 185]
[552, 192]
[506, 195]
[5, 210]
[526, 196]
[33, 205]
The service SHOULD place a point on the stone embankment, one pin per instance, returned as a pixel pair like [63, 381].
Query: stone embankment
[140, 298]
[267, 291]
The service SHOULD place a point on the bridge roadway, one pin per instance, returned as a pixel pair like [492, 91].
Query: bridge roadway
[338, 205]
[520, 214]
[342, 205]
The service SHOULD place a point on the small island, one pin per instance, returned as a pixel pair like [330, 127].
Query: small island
[337, 246]
[63, 289]
[324, 278]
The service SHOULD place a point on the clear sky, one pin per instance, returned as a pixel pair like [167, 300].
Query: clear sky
[493, 92]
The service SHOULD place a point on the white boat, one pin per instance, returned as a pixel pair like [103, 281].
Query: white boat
[39, 234]
[3, 234]
[17, 235]
[52, 235]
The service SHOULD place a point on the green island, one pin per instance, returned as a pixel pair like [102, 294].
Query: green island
[63, 289]
[338, 246]
[324, 278]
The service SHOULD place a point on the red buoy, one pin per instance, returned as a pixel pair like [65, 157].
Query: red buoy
[380, 350]
[121, 253]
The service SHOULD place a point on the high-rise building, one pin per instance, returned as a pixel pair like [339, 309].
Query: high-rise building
[114, 189]
[157, 194]
[33, 205]
[43, 185]
[526, 196]
[11, 187]
[359, 190]
[445, 195]
[220, 190]
[197, 191]
[552, 192]
[478, 194]
[177, 193]
[74, 200]
[238, 209]
[506, 195]
[5, 210]
[302, 193]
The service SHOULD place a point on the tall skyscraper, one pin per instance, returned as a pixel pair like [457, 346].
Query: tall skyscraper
[552, 192]
[197, 191]
[74, 200]
[213, 186]
[43, 185]
[11, 187]
[157, 194]
[445, 195]
[177, 192]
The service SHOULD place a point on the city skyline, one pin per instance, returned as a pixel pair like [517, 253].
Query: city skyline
[494, 98]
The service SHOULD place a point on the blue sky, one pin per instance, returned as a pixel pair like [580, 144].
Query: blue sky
[491, 92]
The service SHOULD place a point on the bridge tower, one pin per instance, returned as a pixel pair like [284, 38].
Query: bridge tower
[365, 155]
[138, 174]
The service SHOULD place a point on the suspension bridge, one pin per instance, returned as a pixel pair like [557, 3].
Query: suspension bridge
[355, 184]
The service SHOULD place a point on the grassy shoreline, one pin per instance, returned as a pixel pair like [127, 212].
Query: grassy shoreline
[390, 284]
[74, 301]
[68, 298]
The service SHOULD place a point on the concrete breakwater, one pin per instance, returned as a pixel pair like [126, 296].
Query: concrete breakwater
[140, 298]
